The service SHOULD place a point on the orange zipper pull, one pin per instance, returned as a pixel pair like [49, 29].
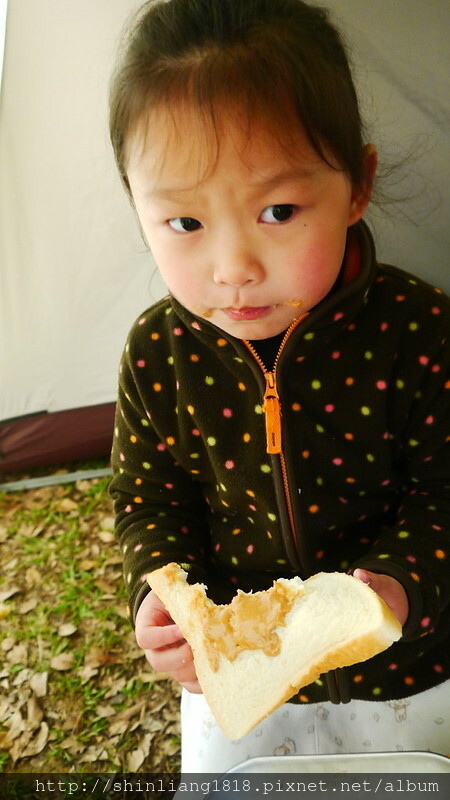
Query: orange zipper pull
[272, 411]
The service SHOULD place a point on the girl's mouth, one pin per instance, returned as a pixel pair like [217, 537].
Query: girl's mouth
[248, 312]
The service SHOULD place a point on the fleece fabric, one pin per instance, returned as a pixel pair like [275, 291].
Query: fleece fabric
[362, 479]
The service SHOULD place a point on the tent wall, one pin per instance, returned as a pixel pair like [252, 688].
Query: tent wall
[74, 272]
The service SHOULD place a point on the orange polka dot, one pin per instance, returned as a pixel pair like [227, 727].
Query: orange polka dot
[155, 553]
[250, 493]
[155, 336]
[170, 440]
[151, 527]
[447, 384]
[303, 698]
[296, 407]
[246, 437]
[319, 554]
[194, 357]
[221, 342]
[242, 386]
[313, 509]
[133, 439]
[306, 454]
[415, 576]
[236, 531]
[349, 381]
[357, 678]
[350, 480]
[439, 553]
[409, 681]
[138, 500]
[349, 436]
[138, 481]
[157, 387]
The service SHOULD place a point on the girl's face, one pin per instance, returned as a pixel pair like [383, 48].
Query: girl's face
[251, 239]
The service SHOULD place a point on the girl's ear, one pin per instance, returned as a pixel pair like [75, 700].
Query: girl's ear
[362, 194]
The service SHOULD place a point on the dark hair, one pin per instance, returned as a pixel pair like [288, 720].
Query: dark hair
[279, 58]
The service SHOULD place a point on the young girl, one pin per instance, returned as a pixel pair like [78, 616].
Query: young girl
[285, 410]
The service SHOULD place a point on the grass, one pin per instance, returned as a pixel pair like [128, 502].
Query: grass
[76, 694]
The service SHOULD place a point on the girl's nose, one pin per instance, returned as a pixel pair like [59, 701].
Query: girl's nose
[236, 267]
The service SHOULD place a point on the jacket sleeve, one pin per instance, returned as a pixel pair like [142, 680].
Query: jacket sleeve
[159, 508]
[416, 549]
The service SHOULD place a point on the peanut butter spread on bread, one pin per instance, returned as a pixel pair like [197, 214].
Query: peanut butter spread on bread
[249, 622]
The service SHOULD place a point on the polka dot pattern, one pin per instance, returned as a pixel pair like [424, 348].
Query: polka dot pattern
[367, 468]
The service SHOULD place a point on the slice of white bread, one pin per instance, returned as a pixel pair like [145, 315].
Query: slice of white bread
[254, 654]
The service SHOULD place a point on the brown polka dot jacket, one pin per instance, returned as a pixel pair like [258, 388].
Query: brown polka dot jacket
[358, 475]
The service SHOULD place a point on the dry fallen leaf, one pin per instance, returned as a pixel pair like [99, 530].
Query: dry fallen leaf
[62, 662]
[68, 629]
[38, 683]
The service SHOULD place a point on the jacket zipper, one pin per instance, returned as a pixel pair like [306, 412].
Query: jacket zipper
[336, 682]
[273, 412]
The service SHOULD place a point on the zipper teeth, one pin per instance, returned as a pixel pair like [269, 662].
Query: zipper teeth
[282, 456]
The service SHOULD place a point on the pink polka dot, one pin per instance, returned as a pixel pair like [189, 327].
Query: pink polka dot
[140, 363]
[436, 368]
[338, 316]
[338, 462]
[196, 325]
[435, 310]
[423, 360]
[429, 420]
[336, 354]
[329, 408]
[161, 447]
[137, 548]
[253, 508]
[425, 622]
[129, 509]
[169, 485]
[178, 331]
[393, 666]
[227, 412]
[122, 457]
[381, 385]
[250, 549]
[384, 326]
[195, 432]
[141, 321]
[229, 464]
[411, 559]
[184, 529]
[438, 668]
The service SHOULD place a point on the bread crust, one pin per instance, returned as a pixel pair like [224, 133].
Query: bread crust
[329, 621]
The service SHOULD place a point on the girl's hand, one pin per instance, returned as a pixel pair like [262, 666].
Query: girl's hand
[163, 643]
[389, 589]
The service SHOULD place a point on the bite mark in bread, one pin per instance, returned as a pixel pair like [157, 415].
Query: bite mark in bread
[254, 654]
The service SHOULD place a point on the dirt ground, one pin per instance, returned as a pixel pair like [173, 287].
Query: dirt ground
[75, 692]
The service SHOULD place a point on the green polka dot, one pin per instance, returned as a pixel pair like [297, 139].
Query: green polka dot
[308, 336]
[368, 355]
[272, 517]
[365, 411]
[209, 381]
[146, 465]
[259, 409]
[403, 534]
[377, 691]
[413, 442]
[370, 457]
[211, 441]
[413, 326]
[145, 423]
[400, 384]
[170, 360]
[320, 429]
[171, 538]
[316, 385]
[384, 555]
[265, 468]
[195, 455]
[319, 481]
[234, 561]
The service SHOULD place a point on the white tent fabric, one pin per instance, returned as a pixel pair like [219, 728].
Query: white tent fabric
[74, 272]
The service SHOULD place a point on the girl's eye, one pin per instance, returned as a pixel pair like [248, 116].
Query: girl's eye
[184, 224]
[278, 213]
